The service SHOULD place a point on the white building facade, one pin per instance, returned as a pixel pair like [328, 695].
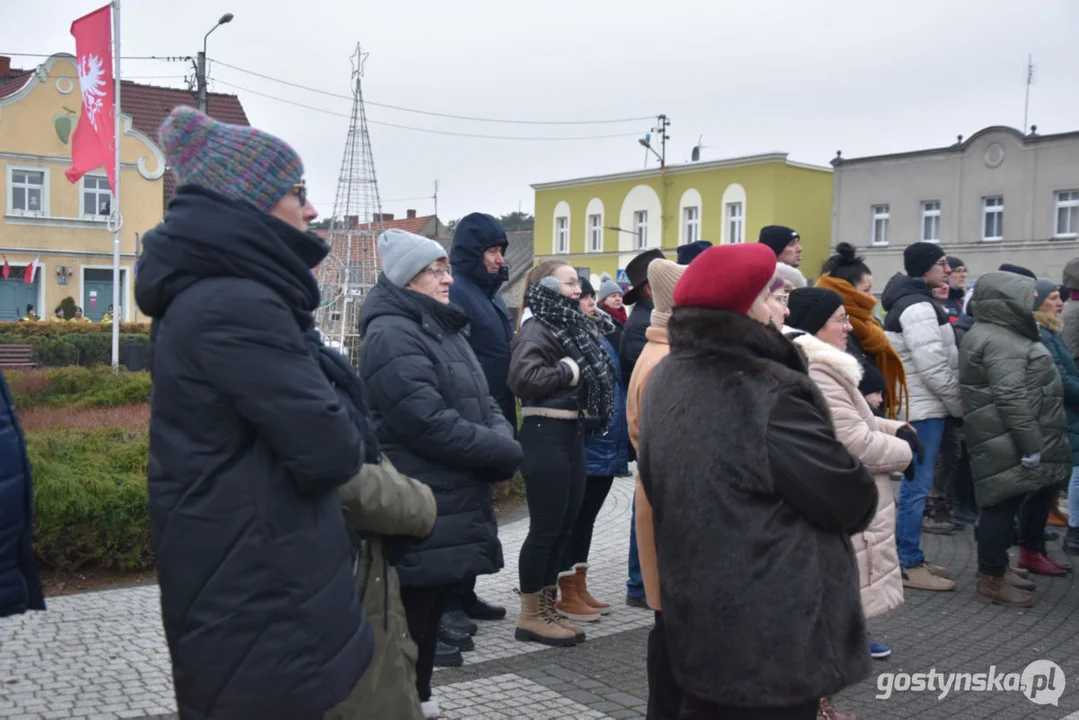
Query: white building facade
[998, 196]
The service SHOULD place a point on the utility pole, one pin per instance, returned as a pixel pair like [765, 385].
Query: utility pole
[664, 123]
[436, 200]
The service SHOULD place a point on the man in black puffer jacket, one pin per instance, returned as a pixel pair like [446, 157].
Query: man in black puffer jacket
[248, 438]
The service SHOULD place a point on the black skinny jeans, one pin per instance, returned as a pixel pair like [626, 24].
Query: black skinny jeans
[664, 695]
[595, 493]
[423, 610]
[554, 474]
[996, 529]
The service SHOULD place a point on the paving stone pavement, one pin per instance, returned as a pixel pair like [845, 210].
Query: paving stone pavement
[103, 655]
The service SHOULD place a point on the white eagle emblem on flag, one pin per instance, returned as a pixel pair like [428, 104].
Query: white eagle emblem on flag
[92, 85]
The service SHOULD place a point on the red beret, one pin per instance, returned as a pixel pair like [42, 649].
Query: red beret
[726, 277]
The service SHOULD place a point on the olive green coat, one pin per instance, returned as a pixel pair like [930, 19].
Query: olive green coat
[1013, 398]
[378, 502]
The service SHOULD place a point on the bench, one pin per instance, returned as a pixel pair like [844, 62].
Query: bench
[17, 357]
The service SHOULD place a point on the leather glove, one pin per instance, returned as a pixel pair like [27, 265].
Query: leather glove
[1032, 461]
[908, 474]
[908, 434]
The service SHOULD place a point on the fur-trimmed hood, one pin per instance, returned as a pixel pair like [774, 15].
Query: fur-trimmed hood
[730, 335]
[842, 363]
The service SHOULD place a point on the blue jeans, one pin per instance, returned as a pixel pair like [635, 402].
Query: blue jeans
[912, 495]
[635, 584]
[1073, 498]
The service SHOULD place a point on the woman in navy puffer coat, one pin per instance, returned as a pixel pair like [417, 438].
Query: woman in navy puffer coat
[607, 451]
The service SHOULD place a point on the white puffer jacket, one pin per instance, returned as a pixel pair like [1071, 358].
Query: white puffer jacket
[927, 348]
[872, 440]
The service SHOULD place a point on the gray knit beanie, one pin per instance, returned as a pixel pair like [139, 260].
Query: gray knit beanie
[1044, 287]
[607, 287]
[404, 255]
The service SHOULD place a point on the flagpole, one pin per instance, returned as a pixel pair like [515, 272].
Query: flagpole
[1026, 104]
[118, 219]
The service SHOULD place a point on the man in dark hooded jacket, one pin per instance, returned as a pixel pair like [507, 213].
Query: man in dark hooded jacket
[479, 270]
[20, 588]
[248, 439]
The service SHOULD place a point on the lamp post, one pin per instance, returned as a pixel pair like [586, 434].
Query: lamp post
[200, 66]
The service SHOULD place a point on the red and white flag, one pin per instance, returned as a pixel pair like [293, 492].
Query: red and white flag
[93, 143]
[30, 270]
[7, 269]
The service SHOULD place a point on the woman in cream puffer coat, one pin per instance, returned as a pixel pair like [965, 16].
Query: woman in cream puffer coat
[870, 438]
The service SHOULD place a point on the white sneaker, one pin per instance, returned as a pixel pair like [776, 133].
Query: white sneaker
[430, 709]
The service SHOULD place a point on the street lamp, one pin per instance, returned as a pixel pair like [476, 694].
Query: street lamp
[201, 66]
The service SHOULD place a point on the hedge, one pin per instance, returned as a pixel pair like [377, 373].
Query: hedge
[75, 348]
[54, 329]
[78, 387]
[91, 504]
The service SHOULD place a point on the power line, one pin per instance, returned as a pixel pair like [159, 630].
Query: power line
[426, 130]
[174, 58]
[431, 112]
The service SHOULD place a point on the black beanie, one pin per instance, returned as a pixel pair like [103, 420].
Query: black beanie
[777, 237]
[811, 307]
[586, 287]
[955, 262]
[1018, 270]
[872, 381]
[919, 258]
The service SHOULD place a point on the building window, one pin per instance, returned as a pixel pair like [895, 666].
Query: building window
[993, 218]
[691, 222]
[931, 221]
[735, 222]
[595, 233]
[1067, 225]
[561, 235]
[640, 227]
[879, 231]
[27, 192]
[96, 196]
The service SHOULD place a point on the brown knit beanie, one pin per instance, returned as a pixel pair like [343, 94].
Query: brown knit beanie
[663, 275]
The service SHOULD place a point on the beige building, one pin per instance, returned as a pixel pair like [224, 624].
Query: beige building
[997, 196]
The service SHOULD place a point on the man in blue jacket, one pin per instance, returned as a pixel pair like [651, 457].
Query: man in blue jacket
[479, 270]
[20, 588]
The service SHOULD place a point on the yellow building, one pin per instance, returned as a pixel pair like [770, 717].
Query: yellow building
[599, 224]
[66, 224]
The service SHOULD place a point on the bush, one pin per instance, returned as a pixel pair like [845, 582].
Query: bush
[54, 329]
[75, 348]
[78, 387]
[91, 504]
[68, 306]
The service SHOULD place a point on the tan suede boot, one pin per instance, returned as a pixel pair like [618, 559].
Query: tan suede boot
[535, 624]
[571, 605]
[547, 600]
[994, 589]
[601, 607]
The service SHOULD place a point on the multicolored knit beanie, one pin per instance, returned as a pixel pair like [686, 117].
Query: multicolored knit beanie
[236, 161]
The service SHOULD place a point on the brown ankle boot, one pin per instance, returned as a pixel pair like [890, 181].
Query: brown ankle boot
[572, 605]
[994, 589]
[535, 624]
[1022, 582]
[825, 711]
[548, 596]
[599, 606]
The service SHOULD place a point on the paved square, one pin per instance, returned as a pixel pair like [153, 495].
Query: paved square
[103, 654]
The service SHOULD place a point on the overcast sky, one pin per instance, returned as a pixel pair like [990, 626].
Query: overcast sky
[805, 77]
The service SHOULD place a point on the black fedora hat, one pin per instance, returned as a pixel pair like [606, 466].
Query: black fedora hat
[637, 272]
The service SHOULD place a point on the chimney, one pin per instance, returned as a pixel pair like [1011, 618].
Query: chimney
[5, 66]
[383, 217]
[352, 220]
[411, 214]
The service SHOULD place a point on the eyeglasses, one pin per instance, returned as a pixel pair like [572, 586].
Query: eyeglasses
[943, 262]
[572, 283]
[781, 297]
[438, 272]
[300, 191]
[842, 320]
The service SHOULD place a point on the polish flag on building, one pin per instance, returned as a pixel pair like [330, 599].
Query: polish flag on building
[7, 269]
[31, 269]
[93, 143]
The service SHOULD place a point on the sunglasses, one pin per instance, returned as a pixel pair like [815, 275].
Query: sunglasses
[300, 191]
